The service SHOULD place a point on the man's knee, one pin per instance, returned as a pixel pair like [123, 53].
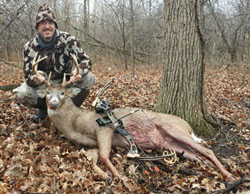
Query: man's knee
[26, 95]
[88, 80]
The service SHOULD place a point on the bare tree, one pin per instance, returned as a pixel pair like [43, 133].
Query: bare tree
[227, 31]
[230, 42]
[85, 10]
[182, 83]
[109, 28]
[132, 38]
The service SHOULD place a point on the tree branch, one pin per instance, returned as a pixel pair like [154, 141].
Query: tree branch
[9, 63]
[19, 10]
[103, 45]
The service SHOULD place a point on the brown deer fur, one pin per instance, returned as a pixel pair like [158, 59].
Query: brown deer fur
[149, 130]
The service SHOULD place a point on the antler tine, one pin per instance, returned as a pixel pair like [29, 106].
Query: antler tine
[75, 62]
[64, 83]
[34, 68]
[47, 83]
[36, 61]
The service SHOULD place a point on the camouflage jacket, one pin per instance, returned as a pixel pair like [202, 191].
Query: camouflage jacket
[58, 61]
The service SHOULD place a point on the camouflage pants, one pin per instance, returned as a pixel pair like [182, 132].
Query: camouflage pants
[32, 97]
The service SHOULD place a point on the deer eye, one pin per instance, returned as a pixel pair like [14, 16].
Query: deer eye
[48, 92]
[62, 93]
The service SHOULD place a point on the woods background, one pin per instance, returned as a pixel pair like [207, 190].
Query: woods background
[106, 29]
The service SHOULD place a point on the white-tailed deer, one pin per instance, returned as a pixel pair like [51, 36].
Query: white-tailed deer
[149, 129]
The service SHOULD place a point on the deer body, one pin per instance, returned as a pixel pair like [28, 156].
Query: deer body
[149, 129]
[66, 121]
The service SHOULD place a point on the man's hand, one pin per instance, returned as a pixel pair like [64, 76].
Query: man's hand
[39, 78]
[75, 77]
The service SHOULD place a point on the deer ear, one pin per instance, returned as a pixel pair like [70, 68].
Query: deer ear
[72, 92]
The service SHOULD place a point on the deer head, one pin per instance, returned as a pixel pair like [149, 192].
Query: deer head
[57, 94]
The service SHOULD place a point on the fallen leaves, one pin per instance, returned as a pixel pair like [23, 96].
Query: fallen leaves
[37, 158]
[229, 99]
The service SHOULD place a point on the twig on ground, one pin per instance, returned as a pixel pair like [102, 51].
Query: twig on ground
[182, 170]
[8, 87]
[233, 185]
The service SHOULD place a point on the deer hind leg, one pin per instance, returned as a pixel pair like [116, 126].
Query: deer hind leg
[209, 154]
[195, 151]
[104, 138]
[94, 154]
[206, 154]
[186, 143]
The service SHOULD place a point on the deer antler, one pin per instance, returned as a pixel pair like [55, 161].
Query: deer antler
[36, 61]
[47, 83]
[75, 63]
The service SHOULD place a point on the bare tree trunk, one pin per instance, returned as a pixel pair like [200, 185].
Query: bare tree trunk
[55, 7]
[150, 7]
[67, 16]
[122, 26]
[94, 18]
[88, 10]
[132, 38]
[85, 22]
[8, 46]
[1, 17]
[182, 83]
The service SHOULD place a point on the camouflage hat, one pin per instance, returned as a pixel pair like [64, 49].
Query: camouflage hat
[45, 13]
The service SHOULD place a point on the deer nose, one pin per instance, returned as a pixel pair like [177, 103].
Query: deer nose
[53, 105]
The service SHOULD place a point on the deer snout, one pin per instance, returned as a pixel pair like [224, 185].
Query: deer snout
[53, 105]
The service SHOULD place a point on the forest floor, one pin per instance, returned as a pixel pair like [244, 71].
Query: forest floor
[37, 158]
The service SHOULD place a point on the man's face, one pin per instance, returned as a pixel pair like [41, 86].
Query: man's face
[46, 29]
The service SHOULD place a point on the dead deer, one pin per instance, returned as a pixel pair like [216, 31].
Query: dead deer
[150, 130]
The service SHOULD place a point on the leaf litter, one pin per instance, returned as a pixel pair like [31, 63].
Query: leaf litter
[37, 158]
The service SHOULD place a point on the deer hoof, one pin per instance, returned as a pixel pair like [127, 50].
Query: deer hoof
[233, 178]
[109, 180]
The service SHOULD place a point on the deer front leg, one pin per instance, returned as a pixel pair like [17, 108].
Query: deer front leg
[104, 139]
[94, 154]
